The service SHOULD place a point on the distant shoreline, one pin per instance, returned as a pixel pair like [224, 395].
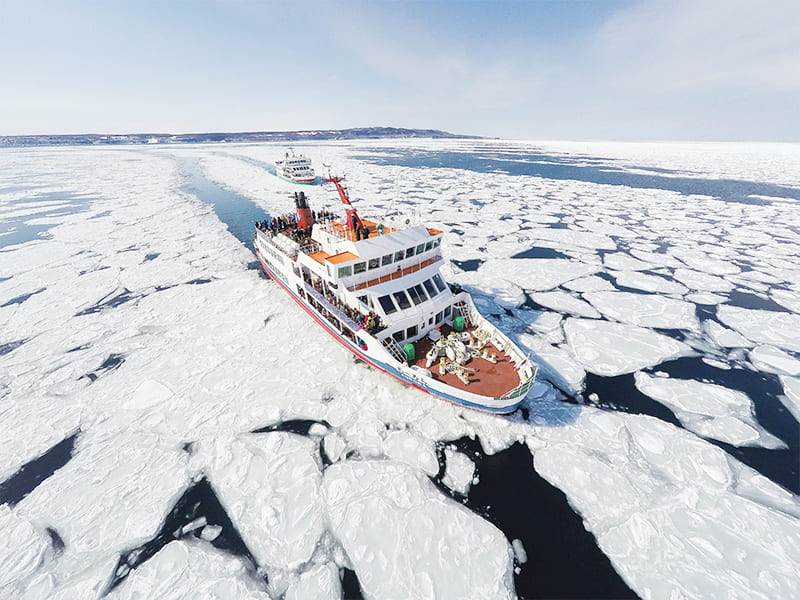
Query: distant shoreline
[94, 139]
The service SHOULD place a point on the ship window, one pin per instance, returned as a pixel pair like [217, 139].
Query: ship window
[439, 316]
[411, 331]
[446, 312]
[398, 256]
[387, 305]
[428, 246]
[409, 252]
[398, 336]
[415, 297]
[345, 271]
[387, 260]
[374, 263]
[436, 242]
[359, 268]
[363, 300]
[431, 289]
[418, 289]
[420, 248]
[437, 279]
[402, 300]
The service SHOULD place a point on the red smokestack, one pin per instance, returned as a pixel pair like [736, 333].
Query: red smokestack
[304, 217]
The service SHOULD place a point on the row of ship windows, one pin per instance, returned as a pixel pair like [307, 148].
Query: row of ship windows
[412, 331]
[387, 259]
[417, 294]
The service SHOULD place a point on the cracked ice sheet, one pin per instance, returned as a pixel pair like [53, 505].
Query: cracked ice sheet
[269, 485]
[648, 489]
[190, 569]
[765, 326]
[709, 410]
[791, 387]
[614, 348]
[645, 309]
[529, 273]
[406, 540]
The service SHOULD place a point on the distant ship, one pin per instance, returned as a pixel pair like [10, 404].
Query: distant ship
[295, 168]
[379, 293]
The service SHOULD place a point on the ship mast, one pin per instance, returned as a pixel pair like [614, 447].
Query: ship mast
[353, 220]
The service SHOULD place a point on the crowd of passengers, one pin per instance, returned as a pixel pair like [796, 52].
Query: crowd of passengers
[371, 321]
[288, 225]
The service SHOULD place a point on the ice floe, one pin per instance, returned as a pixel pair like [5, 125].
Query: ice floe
[773, 360]
[648, 489]
[709, 410]
[614, 348]
[565, 303]
[649, 283]
[459, 472]
[722, 336]
[791, 387]
[391, 520]
[645, 309]
[764, 326]
[188, 569]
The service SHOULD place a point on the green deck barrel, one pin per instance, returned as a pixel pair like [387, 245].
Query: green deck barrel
[408, 350]
[458, 323]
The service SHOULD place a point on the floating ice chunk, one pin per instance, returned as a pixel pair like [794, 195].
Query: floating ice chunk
[320, 582]
[571, 237]
[624, 262]
[211, 532]
[404, 446]
[22, 550]
[519, 551]
[766, 326]
[459, 472]
[791, 387]
[269, 486]
[699, 260]
[724, 337]
[565, 303]
[787, 298]
[650, 283]
[645, 309]
[334, 446]
[389, 517]
[190, 569]
[705, 298]
[647, 489]
[592, 283]
[613, 348]
[538, 274]
[555, 364]
[697, 280]
[709, 410]
[773, 360]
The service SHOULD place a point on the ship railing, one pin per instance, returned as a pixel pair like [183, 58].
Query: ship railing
[522, 389]
[402, 272]
[394, 349]
[330, 307]
[465, 310]
[310, 247]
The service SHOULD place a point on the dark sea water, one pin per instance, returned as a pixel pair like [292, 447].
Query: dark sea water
[564, 560]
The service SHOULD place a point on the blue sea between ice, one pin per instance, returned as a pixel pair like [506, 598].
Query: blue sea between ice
[563, 558]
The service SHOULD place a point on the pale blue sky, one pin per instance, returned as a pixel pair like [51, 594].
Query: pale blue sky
[570, 69]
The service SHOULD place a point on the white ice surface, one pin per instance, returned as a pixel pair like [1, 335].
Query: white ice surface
[791, 389]
[764, 326]
[614, 348]
[189, 569]
[460, 471]
[709, 410]
[406, 540]
[774, 360]
[404, 446]
[212, 362]
[565, 303]
[681, 519]
[724, 337]
[644, 309]
[269, 486]
[22, 550]
[649, 283]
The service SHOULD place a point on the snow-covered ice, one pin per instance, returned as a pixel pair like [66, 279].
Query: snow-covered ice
[134, 322]
[406, 540]
[614, 348]
[709, 410]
